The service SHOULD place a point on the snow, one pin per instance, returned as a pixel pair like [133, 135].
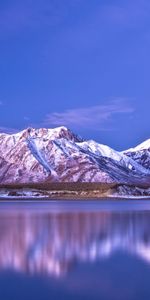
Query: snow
[61, 147]
[143, 146]
[106, 151]
[36, 153]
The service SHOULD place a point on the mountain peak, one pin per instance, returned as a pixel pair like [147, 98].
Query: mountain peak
[143, 146]
[39, 154]
[48, 133]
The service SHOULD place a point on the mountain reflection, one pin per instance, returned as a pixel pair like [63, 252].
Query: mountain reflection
[52, 243]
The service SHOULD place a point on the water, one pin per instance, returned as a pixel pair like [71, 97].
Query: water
[75, 250]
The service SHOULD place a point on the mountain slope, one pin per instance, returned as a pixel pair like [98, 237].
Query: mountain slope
[59, 155]
[141, 154]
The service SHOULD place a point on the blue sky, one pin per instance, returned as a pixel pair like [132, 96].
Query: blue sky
[79, 63]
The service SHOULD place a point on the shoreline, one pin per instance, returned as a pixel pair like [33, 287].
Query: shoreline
[26, 199]
[73, 191]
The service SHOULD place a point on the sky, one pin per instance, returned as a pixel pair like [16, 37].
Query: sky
[77, 63]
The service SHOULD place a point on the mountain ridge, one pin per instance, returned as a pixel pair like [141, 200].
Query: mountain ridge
[36, 155]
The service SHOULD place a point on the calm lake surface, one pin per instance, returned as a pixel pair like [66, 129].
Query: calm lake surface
[75, 250]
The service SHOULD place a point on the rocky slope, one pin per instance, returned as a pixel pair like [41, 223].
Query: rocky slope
[39, 155]
[141, 154]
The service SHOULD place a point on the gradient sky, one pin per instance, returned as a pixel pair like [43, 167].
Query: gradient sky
[79, 63]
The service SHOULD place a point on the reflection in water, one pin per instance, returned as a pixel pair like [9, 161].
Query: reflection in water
[52, 243]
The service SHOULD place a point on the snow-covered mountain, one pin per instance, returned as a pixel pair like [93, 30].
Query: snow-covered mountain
[37, 155]
[141, 154]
